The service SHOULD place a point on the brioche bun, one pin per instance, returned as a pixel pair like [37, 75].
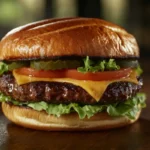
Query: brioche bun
[68, 37]
[62, 38]
[33, 119]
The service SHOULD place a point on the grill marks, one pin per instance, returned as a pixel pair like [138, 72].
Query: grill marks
[47, 27]
[33, 25]
[67, 37]
[54, 92]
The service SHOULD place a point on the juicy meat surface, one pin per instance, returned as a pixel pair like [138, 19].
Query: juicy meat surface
[54, 92]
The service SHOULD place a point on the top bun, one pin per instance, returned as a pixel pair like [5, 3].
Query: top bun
[68, 37]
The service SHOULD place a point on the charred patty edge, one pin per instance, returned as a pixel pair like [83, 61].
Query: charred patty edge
[65, 93]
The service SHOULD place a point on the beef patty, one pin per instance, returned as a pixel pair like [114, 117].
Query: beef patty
[55, 92]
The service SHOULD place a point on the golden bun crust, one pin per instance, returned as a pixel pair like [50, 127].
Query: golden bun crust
[68, 37]
[30, 118]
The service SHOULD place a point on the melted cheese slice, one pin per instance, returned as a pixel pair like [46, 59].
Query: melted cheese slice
[94, 88]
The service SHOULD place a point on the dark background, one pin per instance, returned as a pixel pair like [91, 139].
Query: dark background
[133, 15]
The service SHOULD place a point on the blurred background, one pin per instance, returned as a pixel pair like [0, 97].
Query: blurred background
[133, 15]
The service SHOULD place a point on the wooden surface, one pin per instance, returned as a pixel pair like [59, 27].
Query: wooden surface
[133, 137]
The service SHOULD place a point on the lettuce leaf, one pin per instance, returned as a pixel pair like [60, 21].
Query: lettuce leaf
[10, 66]
[128, 108]
[139, 70]
[92, 66]
[86, 65]
[3, 68]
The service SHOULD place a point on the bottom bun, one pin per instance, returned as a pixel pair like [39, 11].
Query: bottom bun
[30, 118]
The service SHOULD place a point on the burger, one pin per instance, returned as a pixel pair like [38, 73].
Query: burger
[70, 74]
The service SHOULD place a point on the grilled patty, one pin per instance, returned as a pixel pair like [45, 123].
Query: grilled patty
[54, 92]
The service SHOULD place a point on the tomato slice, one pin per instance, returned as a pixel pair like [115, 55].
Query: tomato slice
[74, 74]
[98, 76]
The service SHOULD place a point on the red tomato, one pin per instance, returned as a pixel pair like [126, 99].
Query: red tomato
[74, 74]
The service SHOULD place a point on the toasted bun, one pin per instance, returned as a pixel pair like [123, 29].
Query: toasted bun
[30, 118]
[68, 37]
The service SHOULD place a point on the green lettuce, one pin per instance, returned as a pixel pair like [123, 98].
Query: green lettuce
[128, 108]
[84, 66]
[139, 70]
[92, 66]
[3, 68]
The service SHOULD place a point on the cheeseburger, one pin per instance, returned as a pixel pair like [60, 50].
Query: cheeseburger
[70, 74]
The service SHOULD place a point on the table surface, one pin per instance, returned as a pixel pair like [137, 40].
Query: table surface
[132, 137]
